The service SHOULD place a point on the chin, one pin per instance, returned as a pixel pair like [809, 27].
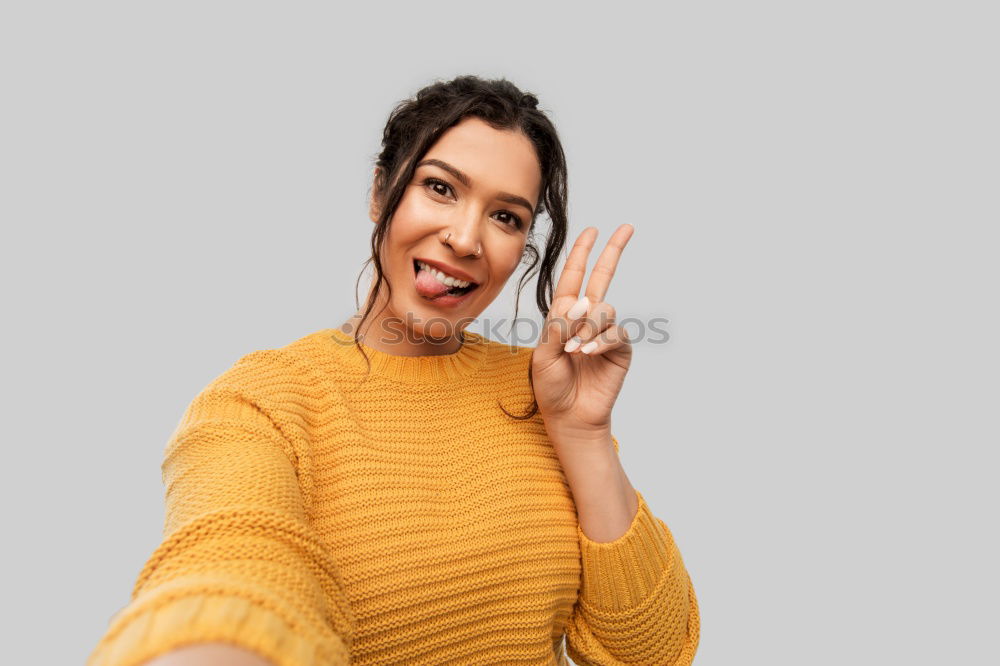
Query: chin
[424, 321]
[438, 330]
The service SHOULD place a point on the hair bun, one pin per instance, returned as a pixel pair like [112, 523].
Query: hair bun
[529, 100]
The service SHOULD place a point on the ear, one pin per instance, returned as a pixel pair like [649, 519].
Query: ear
[373, 207]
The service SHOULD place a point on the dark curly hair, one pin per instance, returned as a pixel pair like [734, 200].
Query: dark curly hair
[416, 124]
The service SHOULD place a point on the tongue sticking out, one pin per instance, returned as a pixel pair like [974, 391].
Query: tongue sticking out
[428, 286]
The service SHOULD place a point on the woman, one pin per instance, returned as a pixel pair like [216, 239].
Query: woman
[400, 490]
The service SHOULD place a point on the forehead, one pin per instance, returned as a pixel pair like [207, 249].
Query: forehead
[502, 160]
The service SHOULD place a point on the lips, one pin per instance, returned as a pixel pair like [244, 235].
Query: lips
[472, 286]
[447, 270]
[432, 291]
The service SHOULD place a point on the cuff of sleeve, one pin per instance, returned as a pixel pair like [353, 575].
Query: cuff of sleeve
[137, 636]
[619, 575]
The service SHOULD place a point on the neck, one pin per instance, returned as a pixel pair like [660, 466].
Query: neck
[385, 332]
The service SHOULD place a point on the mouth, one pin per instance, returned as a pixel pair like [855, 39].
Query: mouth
[453, 295]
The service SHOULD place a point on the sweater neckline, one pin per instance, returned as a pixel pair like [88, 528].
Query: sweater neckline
[430, 368]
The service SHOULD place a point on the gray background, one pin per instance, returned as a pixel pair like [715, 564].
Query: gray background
[814, 192]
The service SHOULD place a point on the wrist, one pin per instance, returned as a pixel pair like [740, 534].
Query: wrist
[575, 435]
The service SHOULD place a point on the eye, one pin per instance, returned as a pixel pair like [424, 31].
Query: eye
[433, 182]
[513, 221]
[514, 218]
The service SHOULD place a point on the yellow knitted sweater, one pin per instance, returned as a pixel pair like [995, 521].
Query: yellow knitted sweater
[319, 514]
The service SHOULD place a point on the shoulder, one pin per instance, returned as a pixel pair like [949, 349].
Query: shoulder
[272, 390]
[283, 381]
[264, 372]
[298, 360]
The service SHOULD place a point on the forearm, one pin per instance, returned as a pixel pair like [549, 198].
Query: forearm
[606, 502]
[209, 654]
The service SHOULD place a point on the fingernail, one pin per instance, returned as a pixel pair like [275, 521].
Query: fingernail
[589, 347]
[579, 309]
[572, 344]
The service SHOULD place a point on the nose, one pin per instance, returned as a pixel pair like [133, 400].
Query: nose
[464, 239]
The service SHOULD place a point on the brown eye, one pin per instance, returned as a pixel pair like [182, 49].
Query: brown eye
[434, 183]
[513, 220]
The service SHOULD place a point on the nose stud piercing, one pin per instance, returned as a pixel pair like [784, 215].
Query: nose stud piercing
[479, 249]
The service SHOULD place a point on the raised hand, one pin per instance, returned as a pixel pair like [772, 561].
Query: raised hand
[579, 365]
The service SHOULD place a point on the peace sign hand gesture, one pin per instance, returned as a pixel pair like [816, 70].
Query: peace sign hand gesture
[576, 385]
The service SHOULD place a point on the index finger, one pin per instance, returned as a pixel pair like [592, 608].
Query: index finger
[604, 269]
[571, 278]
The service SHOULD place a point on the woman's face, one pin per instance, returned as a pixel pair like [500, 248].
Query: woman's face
[480, 185]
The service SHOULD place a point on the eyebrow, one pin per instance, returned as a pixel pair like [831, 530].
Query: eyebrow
[465, 180]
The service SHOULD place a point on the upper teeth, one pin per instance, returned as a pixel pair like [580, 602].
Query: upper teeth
[443, 278]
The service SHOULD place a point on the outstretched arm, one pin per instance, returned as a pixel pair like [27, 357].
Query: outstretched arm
[240, 563]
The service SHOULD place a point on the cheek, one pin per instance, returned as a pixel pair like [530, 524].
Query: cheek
[411, 222]
[419, 213]
[511, 260]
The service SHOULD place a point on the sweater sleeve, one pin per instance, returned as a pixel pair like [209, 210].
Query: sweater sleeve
[636, 604]
[239, 562]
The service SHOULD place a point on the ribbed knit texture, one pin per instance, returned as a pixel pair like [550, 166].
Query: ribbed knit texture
[319, 514]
